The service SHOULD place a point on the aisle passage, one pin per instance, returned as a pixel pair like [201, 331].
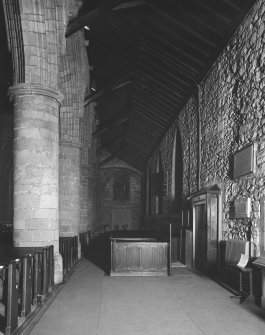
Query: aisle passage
[186, 303]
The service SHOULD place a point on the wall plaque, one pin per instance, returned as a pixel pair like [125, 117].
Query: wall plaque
[244, 161]
[242, 208]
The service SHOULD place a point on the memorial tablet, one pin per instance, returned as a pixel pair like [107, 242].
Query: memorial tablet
[242, 208]
[244, 162]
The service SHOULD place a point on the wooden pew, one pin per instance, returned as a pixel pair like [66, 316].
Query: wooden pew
[27, 285]
[68, 248]
[238, 278]
[11, 288]
[37, 277]
[51, 264]
[26, 281]
[84, 238]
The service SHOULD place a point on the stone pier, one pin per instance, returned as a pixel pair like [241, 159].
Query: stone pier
[36, 168]
[70, 190]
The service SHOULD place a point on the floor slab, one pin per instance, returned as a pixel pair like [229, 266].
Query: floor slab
[186, 303]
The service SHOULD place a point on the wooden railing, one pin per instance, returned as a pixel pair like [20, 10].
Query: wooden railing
[27, 278]
[26, 281]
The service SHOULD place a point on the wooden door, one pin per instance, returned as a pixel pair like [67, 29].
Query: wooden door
[212, 233]
[200, 240]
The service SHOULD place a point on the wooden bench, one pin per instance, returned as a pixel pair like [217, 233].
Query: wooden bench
[68, 248]
[237, 277]
[26, 276]
[84, 239]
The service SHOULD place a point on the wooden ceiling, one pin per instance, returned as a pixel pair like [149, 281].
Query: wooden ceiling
[147, 58]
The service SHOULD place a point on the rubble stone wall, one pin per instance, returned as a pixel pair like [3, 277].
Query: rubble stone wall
[232, 117]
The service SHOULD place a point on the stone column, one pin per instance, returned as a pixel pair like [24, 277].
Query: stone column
[70, 190]
[36, 168]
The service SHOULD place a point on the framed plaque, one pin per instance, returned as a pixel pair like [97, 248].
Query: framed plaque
[244, 162]
[242, 208]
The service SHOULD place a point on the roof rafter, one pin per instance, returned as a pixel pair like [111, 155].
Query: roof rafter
[94, 17]
[119, 119]
[222, 14]
[116, 84]
[110, 157]
[178, 21]
[111, 142]
[129, 4]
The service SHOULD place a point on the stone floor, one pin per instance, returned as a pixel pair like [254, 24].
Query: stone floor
[186, 303]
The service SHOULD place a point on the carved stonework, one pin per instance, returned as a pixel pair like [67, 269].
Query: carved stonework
[35, 90]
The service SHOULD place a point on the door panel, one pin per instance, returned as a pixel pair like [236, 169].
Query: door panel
[212, 233]
[200, 236]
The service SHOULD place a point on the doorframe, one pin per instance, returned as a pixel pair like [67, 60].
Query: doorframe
[197, 201]
[200, 198]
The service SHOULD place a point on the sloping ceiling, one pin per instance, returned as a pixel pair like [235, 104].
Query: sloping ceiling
[147, 58]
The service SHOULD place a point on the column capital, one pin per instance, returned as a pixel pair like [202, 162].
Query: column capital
[23, 89]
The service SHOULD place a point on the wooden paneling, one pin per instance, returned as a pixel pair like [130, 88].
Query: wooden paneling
[188, 248]
[212, 232]
[200, 236]
[139, 258]
[206, 229]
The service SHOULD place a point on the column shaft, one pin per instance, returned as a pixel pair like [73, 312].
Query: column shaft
[36, 168]
[70, 190]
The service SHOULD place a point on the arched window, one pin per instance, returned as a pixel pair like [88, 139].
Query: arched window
[177, 171]
[121, 187]
[148, 191]
[173, 170]
[158, 186]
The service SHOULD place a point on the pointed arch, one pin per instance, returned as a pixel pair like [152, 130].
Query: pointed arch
[148, 191]
[177, 171]
[158, 184]
[173, 169]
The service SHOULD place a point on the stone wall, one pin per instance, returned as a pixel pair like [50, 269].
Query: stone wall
[88, 171]
[50, 78]
[231, 108]
[74, 83]
[165, 153]
[108, 203]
